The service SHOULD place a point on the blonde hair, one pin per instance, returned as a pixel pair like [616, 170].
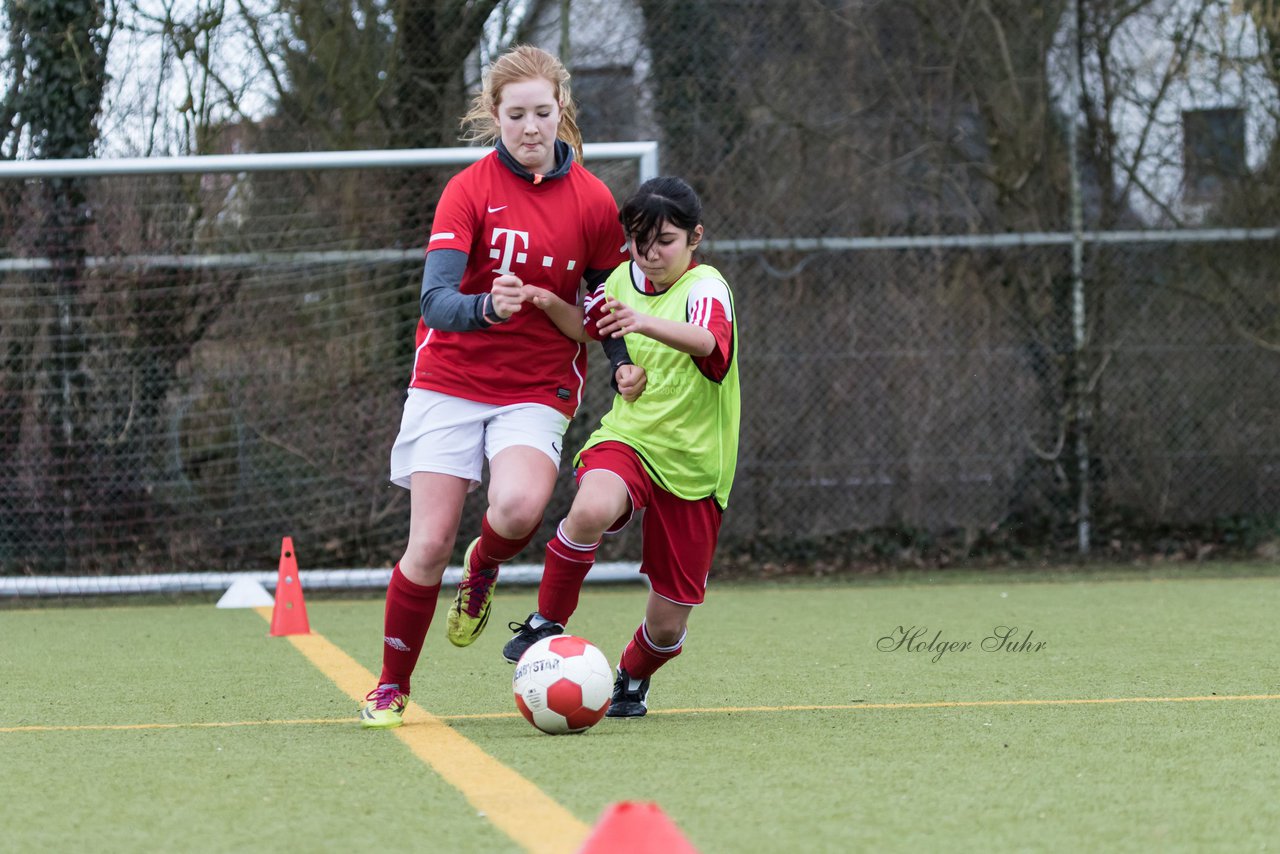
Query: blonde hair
[521, 63]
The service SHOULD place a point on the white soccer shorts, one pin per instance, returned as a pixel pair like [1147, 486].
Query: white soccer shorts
[452, 435]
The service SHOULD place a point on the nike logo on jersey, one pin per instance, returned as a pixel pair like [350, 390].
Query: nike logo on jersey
[498, 208]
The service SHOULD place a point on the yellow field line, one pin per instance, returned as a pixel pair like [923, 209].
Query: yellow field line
[479, 716]
[961, 704]
[196, 725]
[944, 704]
[513, 804]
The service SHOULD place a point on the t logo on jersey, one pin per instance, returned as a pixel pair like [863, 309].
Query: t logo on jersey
[507, 244]
[504, 248]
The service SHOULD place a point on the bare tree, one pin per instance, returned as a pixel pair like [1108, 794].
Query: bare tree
[54, 101]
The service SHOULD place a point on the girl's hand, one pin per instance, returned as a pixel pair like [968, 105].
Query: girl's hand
[541, 297]
[621, 320]
[631, 381]
[507, 295]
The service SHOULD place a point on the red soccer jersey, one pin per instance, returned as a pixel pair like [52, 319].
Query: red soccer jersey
[549, 234]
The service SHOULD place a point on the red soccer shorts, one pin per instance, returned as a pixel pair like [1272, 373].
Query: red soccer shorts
[678, 536]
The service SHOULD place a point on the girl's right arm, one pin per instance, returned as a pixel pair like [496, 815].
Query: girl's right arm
[628, 379]
[566, 317]
[444, 306]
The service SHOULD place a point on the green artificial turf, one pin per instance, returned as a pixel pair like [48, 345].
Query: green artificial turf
[737, 770]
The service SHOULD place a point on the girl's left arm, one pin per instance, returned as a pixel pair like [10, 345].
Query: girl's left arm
[688, 338]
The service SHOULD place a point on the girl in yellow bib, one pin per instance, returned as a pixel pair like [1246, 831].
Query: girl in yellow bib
[671, 451]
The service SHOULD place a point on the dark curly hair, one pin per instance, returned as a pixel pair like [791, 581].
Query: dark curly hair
[657, 200]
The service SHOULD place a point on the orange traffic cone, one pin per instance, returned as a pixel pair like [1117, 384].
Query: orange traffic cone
[635, 827]
[289, 617]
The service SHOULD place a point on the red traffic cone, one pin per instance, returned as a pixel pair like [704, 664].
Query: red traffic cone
[635, 827]
[289, 617]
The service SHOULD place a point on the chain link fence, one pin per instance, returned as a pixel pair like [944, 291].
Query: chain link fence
[928, 373]
[933, 399]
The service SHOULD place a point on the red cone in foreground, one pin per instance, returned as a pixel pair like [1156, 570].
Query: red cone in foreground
[635, 827]
[289, 617]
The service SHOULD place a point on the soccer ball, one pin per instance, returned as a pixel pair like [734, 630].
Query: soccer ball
[562, 684]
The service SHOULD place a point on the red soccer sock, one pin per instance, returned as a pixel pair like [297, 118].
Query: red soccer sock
[642, 657]
[493, 550]
[410, 608]
[564, 567]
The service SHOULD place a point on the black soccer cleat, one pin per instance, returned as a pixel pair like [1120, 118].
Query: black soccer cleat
[629, 696]
[526, 636]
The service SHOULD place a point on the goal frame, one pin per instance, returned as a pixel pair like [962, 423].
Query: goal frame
[645, 153]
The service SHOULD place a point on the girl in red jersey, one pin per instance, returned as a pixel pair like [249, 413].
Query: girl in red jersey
[494, 379]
